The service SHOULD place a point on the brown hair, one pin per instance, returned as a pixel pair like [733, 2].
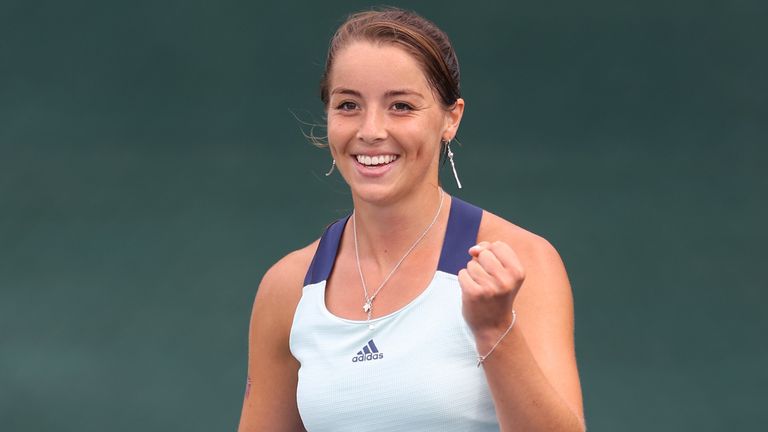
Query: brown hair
[418, 36]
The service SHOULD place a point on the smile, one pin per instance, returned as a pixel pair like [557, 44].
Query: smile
[375, 160]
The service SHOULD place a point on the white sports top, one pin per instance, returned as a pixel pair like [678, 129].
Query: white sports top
[416, 370]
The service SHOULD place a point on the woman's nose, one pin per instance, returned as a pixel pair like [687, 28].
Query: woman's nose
[373, 126]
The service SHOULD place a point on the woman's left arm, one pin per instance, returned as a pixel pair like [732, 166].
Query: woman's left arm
[532, 372]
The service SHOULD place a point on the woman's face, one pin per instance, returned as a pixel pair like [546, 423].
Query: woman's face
[384, 123]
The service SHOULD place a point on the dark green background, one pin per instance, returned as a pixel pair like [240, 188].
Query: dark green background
[151, 170]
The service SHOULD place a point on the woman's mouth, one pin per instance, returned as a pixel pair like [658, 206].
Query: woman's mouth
[374, 166]
[376, 160]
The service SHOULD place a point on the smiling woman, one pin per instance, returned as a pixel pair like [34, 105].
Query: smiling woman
[381, 105]
[384, 322]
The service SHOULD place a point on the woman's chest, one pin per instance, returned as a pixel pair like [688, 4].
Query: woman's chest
[415, 371]
[349, 288]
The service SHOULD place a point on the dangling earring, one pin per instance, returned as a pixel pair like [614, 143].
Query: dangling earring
[450, 158]
[333, 165]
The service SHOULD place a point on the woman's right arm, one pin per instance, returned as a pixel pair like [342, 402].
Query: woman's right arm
[270, 398]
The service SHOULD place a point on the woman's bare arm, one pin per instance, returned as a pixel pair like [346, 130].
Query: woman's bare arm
[270, 398]
[532, 373]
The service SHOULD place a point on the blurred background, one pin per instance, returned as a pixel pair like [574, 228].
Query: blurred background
[152, 168]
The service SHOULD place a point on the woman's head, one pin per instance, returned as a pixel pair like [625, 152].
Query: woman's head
[419, 37]
[391, 94]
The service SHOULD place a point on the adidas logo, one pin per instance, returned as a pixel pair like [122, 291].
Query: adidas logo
[369, 352]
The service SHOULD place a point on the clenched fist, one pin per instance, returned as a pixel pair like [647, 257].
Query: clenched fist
[489, 285]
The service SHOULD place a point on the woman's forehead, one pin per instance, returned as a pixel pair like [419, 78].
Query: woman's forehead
[377, 70]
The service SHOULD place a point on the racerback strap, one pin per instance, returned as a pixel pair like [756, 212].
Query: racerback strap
[460, 234]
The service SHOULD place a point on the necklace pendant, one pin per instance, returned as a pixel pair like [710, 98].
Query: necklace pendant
[367, 307]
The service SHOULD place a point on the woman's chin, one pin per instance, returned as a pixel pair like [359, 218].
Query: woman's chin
[372, 192]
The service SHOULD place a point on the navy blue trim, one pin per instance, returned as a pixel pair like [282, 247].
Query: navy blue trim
[325, 256]
[460, 235]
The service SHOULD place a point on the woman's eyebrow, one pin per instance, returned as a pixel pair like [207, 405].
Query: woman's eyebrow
[403, 92]
[342, 90]
[387, 94]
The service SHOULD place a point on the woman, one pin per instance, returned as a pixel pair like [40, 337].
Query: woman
[419, 311]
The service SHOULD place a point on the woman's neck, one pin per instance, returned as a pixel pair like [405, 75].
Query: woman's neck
[386, 232]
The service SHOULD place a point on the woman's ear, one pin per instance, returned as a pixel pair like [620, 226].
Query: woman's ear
[453, 118]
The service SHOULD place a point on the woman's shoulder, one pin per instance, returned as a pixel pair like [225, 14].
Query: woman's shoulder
[546, 286]
[534, 251]
[284, 280]
[494, 227]
[278, 295]
[287, 274]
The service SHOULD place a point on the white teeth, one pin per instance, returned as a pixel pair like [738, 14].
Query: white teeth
[376, 160]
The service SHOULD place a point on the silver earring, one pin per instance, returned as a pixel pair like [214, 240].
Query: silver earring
[332, 167]
[453, 165]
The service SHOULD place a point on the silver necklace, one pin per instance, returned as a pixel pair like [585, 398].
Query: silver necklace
[368, 305]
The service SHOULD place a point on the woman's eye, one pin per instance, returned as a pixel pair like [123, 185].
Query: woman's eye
[401, 106]
[347, 106]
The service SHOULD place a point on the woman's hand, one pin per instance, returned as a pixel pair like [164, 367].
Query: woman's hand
[489, 286]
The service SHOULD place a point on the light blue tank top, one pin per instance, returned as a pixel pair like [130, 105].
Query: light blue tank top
[416, 370]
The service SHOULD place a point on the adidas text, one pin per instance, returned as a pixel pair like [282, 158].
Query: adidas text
[369, 352]
[366, 357]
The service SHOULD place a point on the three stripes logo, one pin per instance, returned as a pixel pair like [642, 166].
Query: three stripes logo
[369, 352]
